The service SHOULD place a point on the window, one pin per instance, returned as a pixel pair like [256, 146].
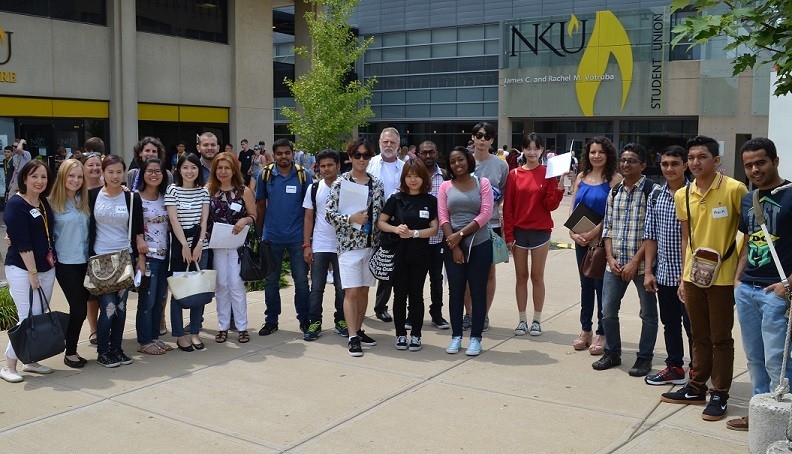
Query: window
[205, 20]
[86, 11]
[683, 51]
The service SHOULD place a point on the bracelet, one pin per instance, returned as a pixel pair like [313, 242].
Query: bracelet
[33, 271]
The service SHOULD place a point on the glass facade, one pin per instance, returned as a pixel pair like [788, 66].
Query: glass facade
[87, 11]
[205, 20]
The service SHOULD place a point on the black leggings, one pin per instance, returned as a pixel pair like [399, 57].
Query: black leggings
[70, 278]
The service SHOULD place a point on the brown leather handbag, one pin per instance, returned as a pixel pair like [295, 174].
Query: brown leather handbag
[593, 264]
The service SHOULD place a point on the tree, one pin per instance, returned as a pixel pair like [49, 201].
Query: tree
[760, 32]
[329, 104]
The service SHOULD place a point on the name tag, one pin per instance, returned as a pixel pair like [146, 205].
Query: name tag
[120, 209]
[235, 207]
[720, 212]
[291, 189]
[35, 212]
[423, 214]
[185, 206]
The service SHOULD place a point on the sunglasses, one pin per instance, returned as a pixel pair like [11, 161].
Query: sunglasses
[482, 135]
[363, 156]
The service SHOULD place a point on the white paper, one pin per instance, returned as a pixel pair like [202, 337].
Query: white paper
[558, 165]
[352, 198]
[138, 278]
[222, 238]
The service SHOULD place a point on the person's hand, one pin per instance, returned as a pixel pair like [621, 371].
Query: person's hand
[778, 288]
[458, 256]
[361, 217]
[240, 224]
[34, 281]
[141, 264]
[629, 271]
[579, 239]
[7, 240]
[454, 239]
[308, 255]
[511, 246]
[681, 292]
[650, 282]
[615, 267]
[142, 246]
[196, 255]
[403, 231]
[186, 254]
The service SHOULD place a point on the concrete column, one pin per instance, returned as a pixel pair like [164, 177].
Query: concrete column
[251, 114]
[301, 36]
[123, 74]
[504, 122]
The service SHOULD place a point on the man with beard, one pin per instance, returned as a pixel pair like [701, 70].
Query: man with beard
[207, 147]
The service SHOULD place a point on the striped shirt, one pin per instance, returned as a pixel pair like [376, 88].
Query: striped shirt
[663, 226]
[188, 202]
[437, 180]
[625, 214]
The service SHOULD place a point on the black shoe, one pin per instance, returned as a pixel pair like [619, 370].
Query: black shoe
[80, 363]
[188, 348]
[384, 316]
[354, 347]
[607, 361]
[684, 395]
[304, 324]
[108, 360]
[716, 408]
[268, 328]
[365, 340]
[440, 323]
[641, 368]
[122, 358]
[198, 346]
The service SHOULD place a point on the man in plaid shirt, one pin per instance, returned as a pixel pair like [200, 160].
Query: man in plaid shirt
[662, 237]
[623, 232]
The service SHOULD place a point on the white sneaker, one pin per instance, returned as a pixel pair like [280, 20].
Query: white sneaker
[522, 329]
[474, 348]
[536, 329]
[11, 376]
[36, 368]
[455, 345]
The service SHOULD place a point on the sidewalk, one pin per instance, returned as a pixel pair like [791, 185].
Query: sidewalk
[279, 393]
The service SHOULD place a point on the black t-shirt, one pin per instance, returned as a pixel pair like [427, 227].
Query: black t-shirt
[245, 160]
[777, 211]
[417, 211]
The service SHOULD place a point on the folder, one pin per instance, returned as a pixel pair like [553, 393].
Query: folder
[583, 219]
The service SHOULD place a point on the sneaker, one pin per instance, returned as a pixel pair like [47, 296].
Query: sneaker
[486, 323]
[122, 358]
[440, 323]
[467, 322]
[715, 409]
[365, 340]
[407, 326]
[641, 368]
[268, 328]
[108, 360]
[522, 329]
[37, 368]
[354, 347]
[684, 395]
[401, 342]
[341, 328]
[607, 361]
[415, 343]
[314, 331]
[304, 324]
[474, 348]
[536, 329]
[671, 375]
[739, 424]
[11, 376]
[455, 345]
[384, 316]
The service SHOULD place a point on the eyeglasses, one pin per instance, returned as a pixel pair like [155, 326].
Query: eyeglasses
[483, 135]
[363, 156]
[631, 161]
[153, 172]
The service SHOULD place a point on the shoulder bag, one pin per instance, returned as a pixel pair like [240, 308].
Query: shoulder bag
[593, 264]
[706, 262]
[500, 252]
[40, 336]
[192, 289]
[255, 258]
[111, 272]
[384, 261]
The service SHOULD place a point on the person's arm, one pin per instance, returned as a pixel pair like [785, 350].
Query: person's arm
[554, 193]
[650, 281]
[509, 202]
[742, 261]
[250, 209]
[308, 226]
[683, 247]
[261, 202]
[198, 246]
[630, 269]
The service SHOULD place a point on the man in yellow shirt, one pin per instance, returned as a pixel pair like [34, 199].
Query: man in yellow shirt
[709, 211]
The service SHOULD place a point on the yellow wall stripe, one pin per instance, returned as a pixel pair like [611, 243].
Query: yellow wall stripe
[25, 107]
[194, 114]
[62, 108]
[80, 109]
[158, 112]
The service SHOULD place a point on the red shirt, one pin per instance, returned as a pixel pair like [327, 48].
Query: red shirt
[529, 199]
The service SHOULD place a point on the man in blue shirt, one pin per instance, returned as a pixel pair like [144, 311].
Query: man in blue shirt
[279, 199]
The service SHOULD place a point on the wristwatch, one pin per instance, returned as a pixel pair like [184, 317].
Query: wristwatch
[461, 233]
[32, 271]
[415, 234]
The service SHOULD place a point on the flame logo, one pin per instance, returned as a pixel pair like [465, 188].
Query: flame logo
[608, 38]
[573, 25]
[2, 35]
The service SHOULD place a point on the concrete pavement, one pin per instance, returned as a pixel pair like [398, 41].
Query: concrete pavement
[279, 393]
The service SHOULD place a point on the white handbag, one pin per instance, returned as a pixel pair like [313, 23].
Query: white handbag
[193, 288]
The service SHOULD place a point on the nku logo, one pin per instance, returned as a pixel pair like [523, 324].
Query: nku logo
[5, 46]
[608, 38]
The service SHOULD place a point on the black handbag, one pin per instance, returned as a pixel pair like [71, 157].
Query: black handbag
[39, 336]
[268, 259]
[251, 265]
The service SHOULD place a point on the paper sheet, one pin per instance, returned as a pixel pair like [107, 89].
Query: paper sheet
[558, 165]
[352, 198]
[222, 238]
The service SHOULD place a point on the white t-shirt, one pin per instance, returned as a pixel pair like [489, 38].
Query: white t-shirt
[390, 174]
[112, 223]
[324, 236]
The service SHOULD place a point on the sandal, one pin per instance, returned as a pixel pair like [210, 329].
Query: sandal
[221, 336]
[92, 339]
[244, 337]
[163, 345]
[151, 349]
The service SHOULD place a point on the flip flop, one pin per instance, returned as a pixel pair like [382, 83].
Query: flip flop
[92, 339]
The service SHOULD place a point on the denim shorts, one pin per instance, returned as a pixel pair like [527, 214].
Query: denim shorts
[530, 239]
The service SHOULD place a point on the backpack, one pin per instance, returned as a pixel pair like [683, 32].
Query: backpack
[266, 177]
[647, 189]
[314, 190]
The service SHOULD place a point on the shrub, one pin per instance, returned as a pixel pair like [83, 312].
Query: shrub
[8, 312]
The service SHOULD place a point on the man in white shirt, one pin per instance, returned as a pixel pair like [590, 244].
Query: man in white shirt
[386, 167]
[20, 158]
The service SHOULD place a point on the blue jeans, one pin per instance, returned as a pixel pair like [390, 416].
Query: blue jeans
[474, 273]
[613, 289]
[112, 318]
[149, 309]
[763, 328]
[589, 289]
[321, 263]
[196, 313]
[299, 272]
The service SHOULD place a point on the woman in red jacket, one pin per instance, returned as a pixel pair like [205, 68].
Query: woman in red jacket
[529, 199]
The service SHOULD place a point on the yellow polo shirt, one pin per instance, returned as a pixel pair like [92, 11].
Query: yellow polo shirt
[715, 216]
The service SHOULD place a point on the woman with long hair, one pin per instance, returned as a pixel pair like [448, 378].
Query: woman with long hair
[108, 232]
[146, 148]
[187, 203]
[151, 189]
[410, 217]
[69, 201]
[527, 206]
[30, 260]
[231, 203]
[598, 164]
[464, 205]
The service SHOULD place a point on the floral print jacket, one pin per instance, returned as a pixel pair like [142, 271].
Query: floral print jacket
[350, 238]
